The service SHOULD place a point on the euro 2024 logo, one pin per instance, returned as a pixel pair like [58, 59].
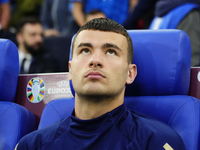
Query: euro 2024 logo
[35, 90]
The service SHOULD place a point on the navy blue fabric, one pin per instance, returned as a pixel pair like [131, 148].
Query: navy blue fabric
[165, 6]
[180, 112]
[172, 19]
[133, 130]
[9, 70]
[163, 60]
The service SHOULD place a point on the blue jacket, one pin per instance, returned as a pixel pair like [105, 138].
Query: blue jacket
[120, 129]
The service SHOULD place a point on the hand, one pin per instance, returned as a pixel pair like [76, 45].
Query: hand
[51, 32]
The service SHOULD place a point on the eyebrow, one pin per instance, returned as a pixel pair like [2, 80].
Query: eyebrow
[110, 45]
[85, 45]
[106, 45]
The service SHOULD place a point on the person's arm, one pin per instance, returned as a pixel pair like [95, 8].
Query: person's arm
[78, 13]
[5, 15]
[51, 32]
[164, 137]
[132, 5]
[46, 19]
[45, 15]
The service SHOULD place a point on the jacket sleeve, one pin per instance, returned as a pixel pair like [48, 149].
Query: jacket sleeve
[45, 15]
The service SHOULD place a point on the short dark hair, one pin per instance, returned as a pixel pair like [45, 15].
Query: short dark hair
[24, 21]
[105, 24]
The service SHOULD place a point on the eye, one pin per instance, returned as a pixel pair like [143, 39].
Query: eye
[85, 51]
[111, 52]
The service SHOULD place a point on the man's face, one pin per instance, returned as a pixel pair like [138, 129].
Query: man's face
[31, 37]
[99, 65]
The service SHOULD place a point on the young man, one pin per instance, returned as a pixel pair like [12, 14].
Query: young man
[101, 67]
[33, 58]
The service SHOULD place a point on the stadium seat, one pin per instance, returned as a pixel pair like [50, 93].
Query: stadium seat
[160, 90]
[15, 120]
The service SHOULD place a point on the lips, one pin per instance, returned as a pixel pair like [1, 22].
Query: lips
[94, 75]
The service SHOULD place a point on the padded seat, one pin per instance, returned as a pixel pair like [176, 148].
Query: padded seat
[15, 120]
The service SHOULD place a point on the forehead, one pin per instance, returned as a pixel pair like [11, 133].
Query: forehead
[36, 27]
[97, 38]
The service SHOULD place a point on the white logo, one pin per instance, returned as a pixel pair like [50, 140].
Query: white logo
[198, 76]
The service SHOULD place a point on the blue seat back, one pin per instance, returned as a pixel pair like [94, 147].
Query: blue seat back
[163, 60]
[9, 70]
[15, 120]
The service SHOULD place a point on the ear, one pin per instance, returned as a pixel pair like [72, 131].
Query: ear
[69, 66]
[132, 72]
[19, 38]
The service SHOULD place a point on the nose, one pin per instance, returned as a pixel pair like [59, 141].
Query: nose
[39, 38]
[96, 60]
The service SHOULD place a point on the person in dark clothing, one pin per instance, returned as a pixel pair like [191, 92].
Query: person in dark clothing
[183, 15]
[33, 58]
[57, 19]
[143, 10]
[101, 66]
[164, 6]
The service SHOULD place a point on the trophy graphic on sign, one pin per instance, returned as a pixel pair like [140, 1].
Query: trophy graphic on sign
[35, 90]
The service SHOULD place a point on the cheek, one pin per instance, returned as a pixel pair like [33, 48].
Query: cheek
[122, 71]
[76, 68]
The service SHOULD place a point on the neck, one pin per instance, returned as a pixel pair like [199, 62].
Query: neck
[90, 108]
[22, 48]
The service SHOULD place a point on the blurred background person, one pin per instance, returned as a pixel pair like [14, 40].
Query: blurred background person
[33, 58]
[114, 9]
[183, 15]
[141, 15]
[57, 19]
[18, 10]
[59, 26]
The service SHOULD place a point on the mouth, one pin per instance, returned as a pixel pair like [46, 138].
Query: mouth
[94, 75]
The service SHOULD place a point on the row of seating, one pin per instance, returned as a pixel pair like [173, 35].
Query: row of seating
[160, 90]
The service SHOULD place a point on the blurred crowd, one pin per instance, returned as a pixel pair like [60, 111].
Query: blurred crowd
[42, 29]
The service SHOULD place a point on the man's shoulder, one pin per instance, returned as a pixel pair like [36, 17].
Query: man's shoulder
[150, 131]
[38, 138]
[149, 125]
